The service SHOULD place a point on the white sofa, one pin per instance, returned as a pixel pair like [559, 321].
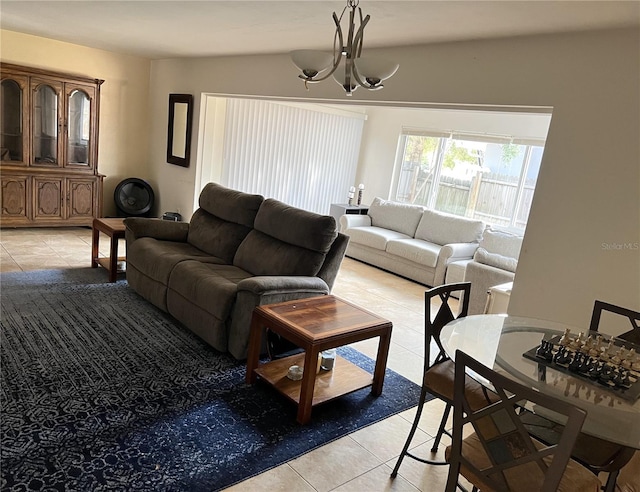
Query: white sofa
[409, 240]
[494, 263]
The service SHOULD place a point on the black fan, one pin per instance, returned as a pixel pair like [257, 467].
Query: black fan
[134, 198]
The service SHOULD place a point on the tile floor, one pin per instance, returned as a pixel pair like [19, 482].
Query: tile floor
[361, 461]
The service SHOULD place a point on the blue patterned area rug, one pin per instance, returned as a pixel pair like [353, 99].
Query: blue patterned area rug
[102, 391]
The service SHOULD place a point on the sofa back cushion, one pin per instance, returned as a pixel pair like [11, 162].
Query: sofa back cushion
[286, 241]
[499, 249]
[224, 219]
[230, 205]
[442, 229]
[400, 217]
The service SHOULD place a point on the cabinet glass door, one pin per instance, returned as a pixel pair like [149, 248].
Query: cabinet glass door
[12, 121]
[45, 126]
[78, 128]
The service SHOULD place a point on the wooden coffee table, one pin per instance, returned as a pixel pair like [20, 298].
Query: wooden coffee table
[114, 228]
[316, 324]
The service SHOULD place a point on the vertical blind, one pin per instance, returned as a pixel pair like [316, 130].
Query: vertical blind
[303, 157]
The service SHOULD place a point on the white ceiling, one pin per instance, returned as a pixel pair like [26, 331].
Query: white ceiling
[167, 28]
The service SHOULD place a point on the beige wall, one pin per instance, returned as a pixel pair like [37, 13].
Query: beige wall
[588, 195]
[124, 122]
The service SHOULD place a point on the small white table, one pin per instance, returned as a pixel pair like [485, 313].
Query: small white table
[498, 341]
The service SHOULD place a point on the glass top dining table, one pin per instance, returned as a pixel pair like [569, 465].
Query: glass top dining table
[499, 342]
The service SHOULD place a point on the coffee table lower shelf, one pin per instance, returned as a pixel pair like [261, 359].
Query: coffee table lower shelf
[121, 265]
[345, 378]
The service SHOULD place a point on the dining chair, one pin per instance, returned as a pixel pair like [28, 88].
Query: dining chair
[632, 335]
[499, 453]
[596, 454]
[438, 373]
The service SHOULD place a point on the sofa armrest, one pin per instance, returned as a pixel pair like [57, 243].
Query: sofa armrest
[482, 277]
[256, 291]
[347, 221]
[137, 227]
[452, 252]
[280, 285]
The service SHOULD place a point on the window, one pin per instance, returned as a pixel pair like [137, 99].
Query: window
[484, 177]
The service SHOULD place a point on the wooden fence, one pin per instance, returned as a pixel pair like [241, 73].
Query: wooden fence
[488, 196]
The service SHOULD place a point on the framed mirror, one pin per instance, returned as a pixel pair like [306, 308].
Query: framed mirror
[179, 131]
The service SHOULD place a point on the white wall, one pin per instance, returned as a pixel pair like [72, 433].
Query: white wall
[124, 100]
[588, 192]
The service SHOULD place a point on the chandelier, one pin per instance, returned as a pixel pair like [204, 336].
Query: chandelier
[347, 65]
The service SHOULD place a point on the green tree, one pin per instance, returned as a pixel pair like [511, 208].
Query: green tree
[509, 152]
[455, 154]
[418, 149]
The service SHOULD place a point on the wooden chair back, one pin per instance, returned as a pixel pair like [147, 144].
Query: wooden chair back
[435, 318]
[633, 335]
[506, 453]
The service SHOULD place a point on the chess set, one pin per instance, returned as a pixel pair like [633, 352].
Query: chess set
[610, 362]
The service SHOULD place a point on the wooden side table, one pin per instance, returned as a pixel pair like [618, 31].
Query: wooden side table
[114, 228]
[317, 324]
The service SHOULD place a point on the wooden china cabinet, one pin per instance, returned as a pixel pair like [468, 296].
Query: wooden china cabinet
[48, 148]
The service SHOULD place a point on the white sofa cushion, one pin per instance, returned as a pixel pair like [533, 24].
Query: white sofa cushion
[495, 260]
[499, 249]
[444, 229]
[401, 217]
[415, 250]
[501, 243]
[374, 237]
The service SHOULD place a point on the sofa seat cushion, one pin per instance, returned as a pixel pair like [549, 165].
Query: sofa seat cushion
[415, 250]
[211, 287]
[374, 237]
[156, 258]
[286, 241]
[440, 228]
[400, 217]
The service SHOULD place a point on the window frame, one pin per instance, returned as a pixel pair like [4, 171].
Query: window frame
[444, 137]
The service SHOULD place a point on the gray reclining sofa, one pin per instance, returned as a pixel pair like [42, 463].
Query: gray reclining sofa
[237, 252]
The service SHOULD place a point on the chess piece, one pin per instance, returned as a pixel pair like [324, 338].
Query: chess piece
[605, 375]
[575, 362]
[565, 339]
[542, 348]
[594, 351]
[596, 370]
[586, 346]
[619, 356]
[578, 342]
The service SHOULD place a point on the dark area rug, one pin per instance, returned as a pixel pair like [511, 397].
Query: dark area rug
[102, 391]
